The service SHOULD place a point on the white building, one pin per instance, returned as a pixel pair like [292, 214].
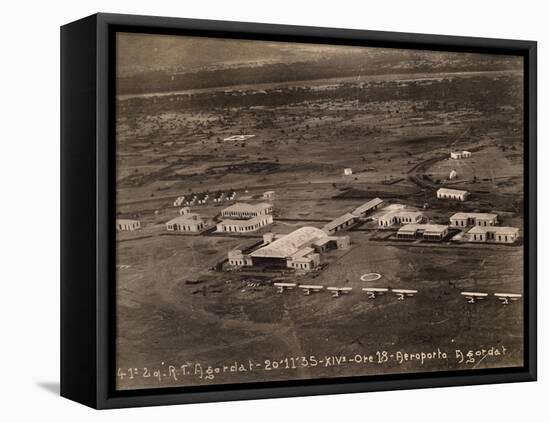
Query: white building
[298, 250]
[348, 171]
[455, 155]
[452, 194]
[184, 211]
[245, 211]
[498, 234]
[127, 225]
[473, 219]
[187, 223]
[242, 226]
[400, 217]
[427, 232]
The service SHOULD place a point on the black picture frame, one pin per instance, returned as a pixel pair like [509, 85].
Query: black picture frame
[87, 210]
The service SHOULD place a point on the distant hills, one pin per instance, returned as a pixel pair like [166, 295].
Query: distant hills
[161, 63]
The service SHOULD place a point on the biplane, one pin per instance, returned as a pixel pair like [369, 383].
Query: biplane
[505, 297]
[284, 286]
[373, 292]
[472, 297]
[402, 293]
[337, 291]
[308, 289]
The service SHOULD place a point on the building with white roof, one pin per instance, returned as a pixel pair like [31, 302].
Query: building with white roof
[127, 225]
[455, 155]
[246, 211]
[248, 225]
[399, 217]
[299, 250]
[190, 222]
[452, 194]
[473, 219]
[498, 234]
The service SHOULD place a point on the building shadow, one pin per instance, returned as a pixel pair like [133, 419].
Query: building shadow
[51, 387]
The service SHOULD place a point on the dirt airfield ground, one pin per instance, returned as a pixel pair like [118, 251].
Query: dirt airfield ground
[175, 312]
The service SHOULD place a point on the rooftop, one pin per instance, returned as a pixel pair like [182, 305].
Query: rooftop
[126, 221]
[462, 215]
[499, 230]
[338, 221]
[452, 191]
[188, 219]
[367, 206]
[302, 253]
[245, 207]
[426, 227]
[401, 213]
[289, 244]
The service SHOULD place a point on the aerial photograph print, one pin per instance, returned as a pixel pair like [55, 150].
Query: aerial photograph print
[297, 211]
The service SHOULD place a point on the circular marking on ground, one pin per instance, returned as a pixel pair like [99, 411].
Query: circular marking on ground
[369, 277]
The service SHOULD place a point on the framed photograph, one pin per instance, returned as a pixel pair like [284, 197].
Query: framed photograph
[255, 211]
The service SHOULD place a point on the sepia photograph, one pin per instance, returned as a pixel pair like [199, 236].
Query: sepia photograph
[295, 211]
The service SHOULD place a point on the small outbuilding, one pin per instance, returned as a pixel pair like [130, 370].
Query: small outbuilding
[453, 175]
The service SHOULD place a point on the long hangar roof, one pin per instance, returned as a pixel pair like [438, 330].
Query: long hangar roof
[289, 244]
[367, 206]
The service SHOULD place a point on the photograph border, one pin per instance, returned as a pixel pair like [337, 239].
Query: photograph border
[94, 384]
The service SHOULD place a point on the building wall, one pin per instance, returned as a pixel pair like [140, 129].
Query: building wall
[246, 213]
[300, 265]
[406, 235]
[408, 219]
[493, 237]
[461, 155]
[386, 221]
[178, 227]
[506, 239]
[244, 226]
[342, 242]
[472, 221]
[435, 236]
[128, 226]
[460, 197]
